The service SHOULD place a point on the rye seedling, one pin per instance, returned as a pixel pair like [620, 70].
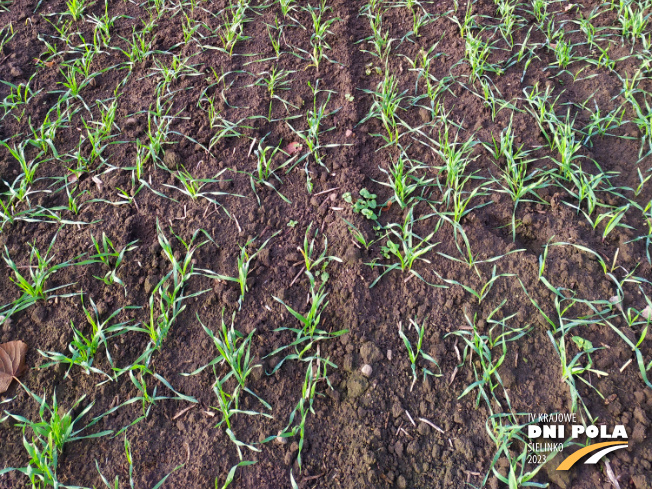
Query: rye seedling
[84, 347]
[405, 246]
[244, 262]
[54, 429]
[416, 352]
[33, 284]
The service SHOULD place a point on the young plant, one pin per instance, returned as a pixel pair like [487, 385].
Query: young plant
[234, 350]
[321, 28]
[308, 252]
[365, 205]
[309, 332]
[310, 137]
[111, 258]
[33, 286]
[170, 292]
[233, 19]
[414, 353]
[244, 261]
[54, 429]
[84, 348]
[406, 178]
[386, 103]
[408, 247]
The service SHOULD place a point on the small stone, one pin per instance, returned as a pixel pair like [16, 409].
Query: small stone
[102, 308]
[289, 458]
[413, 447]
[171, 159]
[130, 122]
[647, 313]
[366, 370]
[398, 449]
[389, 355]
[640, 416]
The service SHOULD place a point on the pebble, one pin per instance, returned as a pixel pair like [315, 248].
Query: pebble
[366, 370]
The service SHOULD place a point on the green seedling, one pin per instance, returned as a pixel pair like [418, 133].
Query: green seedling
[84, 348]
[416, 352]
[33, 284]
[132, 485]
[244, 261]
[233, 20]
[358, 235]
[405, 178]
[365, 205]
[573, 370]
[483, 345]
[316, 372]
[386, 103]
[55, 429]
[405, 246]
[308, 252]
[111, 258]
[170, 292]
[309, 332]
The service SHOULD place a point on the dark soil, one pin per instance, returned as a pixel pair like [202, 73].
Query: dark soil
[360, 434]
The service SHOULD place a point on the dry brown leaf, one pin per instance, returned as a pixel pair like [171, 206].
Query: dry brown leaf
[12, 362]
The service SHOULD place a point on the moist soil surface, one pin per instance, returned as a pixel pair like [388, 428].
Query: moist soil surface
[374, 430]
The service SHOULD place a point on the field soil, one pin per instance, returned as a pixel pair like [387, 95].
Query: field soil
[365, 431]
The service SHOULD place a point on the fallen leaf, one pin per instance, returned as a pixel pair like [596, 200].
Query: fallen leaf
[12, 362]
[293, 148]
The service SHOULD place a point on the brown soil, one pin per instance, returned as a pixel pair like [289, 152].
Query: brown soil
[360, 434]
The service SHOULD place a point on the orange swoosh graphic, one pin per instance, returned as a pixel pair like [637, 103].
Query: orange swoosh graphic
[571, 459]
